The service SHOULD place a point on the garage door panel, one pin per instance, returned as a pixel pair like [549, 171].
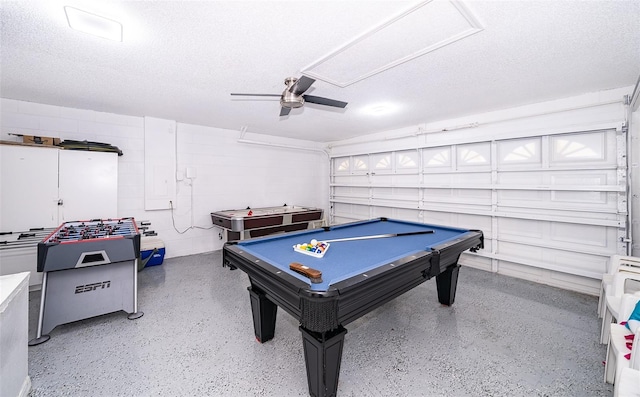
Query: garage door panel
[575, 283]
[468, 221]
[583, 148]
[515, 250]
[560, 235]
[476, 194]
[575, 262]
[438, 192]
[403, 179]
[514, 269]
[565, 178]
[510, 200]
[519, 153]
[474, 155]
[570, 215]
[437, 179]
[584, 177]
[521, 197]
[480, 222]
[558, 279]
[438, 218]
[393, 179]
[349, 191]
[586, 236]
[472, 221]
[475, 261]
[457, 179]
[406, 214]
[556, 259]
[594, 198]
[510, 228]
[461, 207]
[471, 178]
[437, 159]
[351, 212]
[386, 212]
[397, 193]
[351, 179]
[521, 178]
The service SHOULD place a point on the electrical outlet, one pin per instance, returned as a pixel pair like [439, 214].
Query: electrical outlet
[220, 235]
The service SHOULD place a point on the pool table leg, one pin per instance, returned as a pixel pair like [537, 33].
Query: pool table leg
[447, 282]
[264, 315]
[322, 356]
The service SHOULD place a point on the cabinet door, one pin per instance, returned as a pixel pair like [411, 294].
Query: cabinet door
[88, 185]
[28, 187]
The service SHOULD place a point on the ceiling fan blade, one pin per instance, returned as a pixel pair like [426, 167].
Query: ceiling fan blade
[302, 85]
[324, 101]
[233, 93]
[284, 111]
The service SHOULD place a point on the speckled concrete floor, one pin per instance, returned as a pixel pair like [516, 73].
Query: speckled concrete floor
[503, 337]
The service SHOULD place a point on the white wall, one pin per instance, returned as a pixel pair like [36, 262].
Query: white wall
[229, 174]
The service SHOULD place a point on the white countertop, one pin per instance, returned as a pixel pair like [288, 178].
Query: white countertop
[10, 285]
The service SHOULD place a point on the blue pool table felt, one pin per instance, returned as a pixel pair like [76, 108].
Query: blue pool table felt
[345, 259]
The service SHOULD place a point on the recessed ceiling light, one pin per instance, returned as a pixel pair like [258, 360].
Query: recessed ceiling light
[380, 109]
[93, 24]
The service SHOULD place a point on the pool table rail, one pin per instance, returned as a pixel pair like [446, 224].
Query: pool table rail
[449, 252]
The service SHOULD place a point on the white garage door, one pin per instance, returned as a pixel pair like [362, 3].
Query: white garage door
[552, 207]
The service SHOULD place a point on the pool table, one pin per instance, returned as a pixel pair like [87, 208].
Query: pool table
[389, 258]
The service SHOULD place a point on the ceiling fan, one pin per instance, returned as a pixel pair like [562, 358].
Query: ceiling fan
[292, 96]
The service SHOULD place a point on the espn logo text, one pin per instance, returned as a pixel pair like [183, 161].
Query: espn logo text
[92, 287]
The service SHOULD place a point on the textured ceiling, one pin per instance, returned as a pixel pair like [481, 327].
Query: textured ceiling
[180, 60]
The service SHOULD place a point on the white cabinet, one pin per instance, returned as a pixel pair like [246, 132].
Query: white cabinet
[87, 185]
[28, 187]
[42, 187]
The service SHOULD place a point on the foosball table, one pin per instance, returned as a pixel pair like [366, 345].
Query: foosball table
[89, 269]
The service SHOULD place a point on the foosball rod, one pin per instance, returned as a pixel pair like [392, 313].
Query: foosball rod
[25, 239]
[39, 230]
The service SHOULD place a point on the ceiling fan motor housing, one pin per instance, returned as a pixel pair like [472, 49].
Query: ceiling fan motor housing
[291, 100]
[288, 98]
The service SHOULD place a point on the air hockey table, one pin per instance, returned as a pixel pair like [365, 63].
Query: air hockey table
[365, 265]
[89, 269]
[257, 222]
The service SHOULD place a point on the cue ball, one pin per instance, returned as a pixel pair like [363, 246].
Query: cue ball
[314, 242]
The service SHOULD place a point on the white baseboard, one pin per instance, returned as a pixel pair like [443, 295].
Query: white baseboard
[26, 387]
